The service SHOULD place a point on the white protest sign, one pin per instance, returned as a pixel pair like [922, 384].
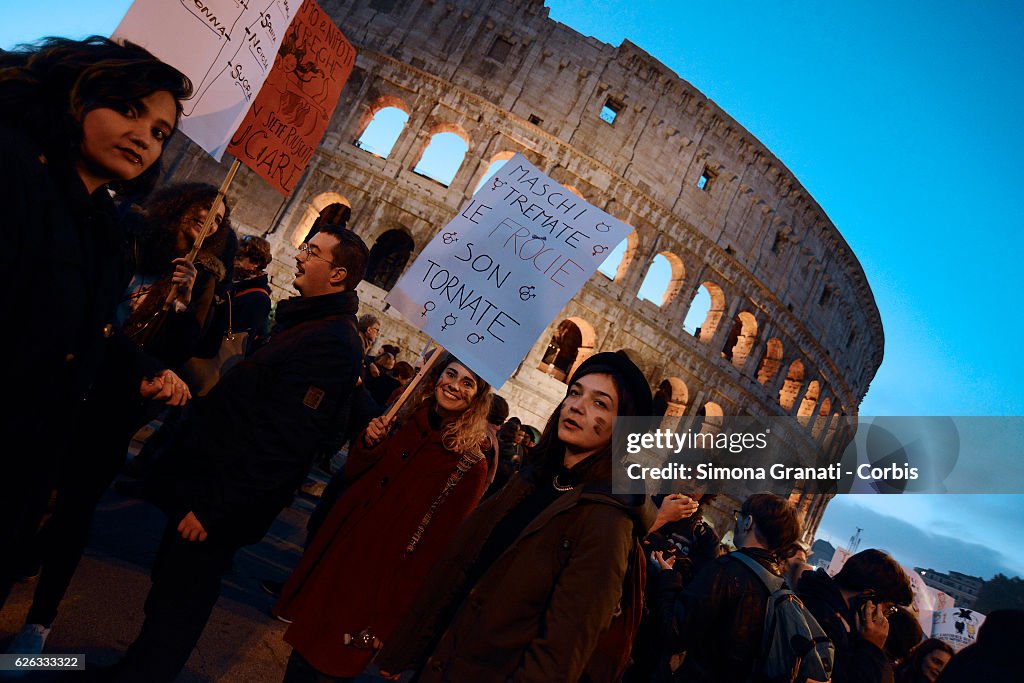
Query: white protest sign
[492, 279]
[225, 46]
[956, 626]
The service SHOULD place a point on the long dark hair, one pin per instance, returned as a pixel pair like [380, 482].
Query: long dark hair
[546, 457]
[47, 88]
[154, 229]
[162, 214]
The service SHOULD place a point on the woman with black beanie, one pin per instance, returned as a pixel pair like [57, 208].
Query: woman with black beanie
[544, 581]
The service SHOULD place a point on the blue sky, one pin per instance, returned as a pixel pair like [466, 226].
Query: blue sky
[903, 121]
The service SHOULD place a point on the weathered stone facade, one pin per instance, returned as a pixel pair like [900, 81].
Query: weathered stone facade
[793, 327]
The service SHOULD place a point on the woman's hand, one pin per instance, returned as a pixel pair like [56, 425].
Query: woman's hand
[191, 529]
[663, 562]
[376, 431]
[182, 280]
[673, 508]
[165, 387]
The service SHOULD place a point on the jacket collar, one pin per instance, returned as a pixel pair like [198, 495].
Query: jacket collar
[299, 309]
[638, 508]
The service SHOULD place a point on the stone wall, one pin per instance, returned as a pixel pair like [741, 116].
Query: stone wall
[793, 328]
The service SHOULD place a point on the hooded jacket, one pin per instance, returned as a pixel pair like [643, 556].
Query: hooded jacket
[538, 612]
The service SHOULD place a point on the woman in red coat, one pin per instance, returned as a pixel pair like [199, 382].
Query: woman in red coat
[406, 493]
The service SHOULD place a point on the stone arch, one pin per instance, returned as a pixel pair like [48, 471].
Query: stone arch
[443, 154]
[741, 339]
[493, 166]
[665, 267]
[713, 418]
[572, 342]
[617, 262]
[321, 205]
[806, 409]
[716, 308]
[822, 419]
[388, 258]
[771, 362]
[791, 386]
[830, 435]
[381, 125]
[671, 397]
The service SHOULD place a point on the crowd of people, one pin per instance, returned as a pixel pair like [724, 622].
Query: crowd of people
[455, 543]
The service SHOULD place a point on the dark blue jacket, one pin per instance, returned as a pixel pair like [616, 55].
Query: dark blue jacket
[247, 445]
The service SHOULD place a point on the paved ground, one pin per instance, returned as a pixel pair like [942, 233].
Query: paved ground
[103, 609]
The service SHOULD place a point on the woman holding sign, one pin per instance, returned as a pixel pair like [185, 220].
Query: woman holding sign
[77, 118]
[544, 582]
[407, 490]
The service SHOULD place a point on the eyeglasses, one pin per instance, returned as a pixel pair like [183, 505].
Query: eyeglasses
[308, 253]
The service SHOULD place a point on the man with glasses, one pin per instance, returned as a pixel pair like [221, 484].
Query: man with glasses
[247, 446]
[853, 608]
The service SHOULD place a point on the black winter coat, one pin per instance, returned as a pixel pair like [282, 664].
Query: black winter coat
[250, 301]
[247, 445]
[857, 660]
[64, 267]
[720, 619]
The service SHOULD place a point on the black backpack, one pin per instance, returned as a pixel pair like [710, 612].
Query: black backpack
[794, 648]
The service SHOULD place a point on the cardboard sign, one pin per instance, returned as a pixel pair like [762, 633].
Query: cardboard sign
[956, 626]
[492, 279]
[225, 46]
[290, 114]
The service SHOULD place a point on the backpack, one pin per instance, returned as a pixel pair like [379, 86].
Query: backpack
[794, 648]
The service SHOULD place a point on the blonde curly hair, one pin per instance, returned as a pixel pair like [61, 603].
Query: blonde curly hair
[464, 434]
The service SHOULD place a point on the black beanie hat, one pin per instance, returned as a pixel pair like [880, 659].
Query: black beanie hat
[627, 374]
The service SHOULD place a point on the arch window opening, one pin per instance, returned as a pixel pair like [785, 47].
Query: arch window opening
[822, 420]
[791, 386]
[328, 207]
[705, 312]
[711, 418]
[442, 158]
[495, 166]
[671, 397]
[664, 279]
[610, 266]
[771, 362]
[741, 339]
[571, 343]
[807, 406]
[332, 214]
[383, 131]
[388, 258]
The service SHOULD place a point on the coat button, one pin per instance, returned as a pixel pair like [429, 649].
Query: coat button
[405, 455]
[108, 331]
[384, 482]
[565, 543]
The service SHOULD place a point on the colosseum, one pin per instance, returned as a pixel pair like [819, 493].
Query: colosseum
[792, 327]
